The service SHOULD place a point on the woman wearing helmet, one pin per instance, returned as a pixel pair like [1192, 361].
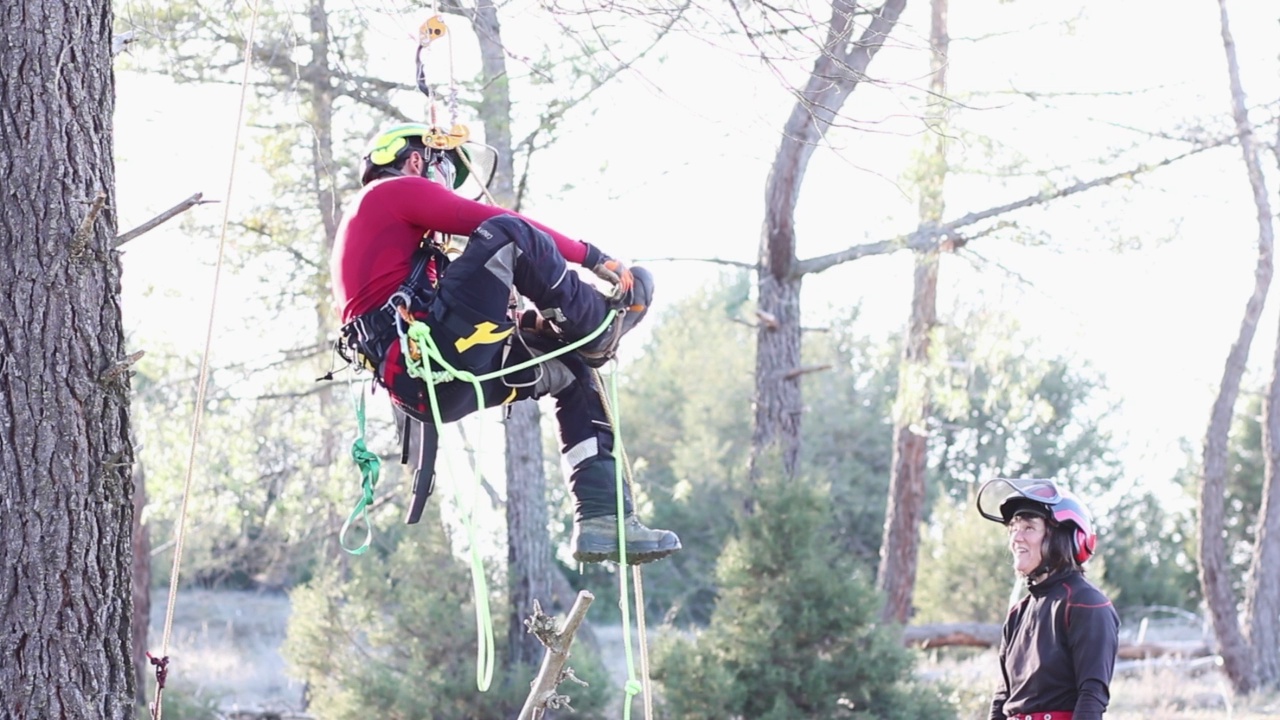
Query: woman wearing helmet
[386, 263]
[1058, 648]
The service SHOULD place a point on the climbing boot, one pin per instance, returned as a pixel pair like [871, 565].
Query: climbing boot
[596, 540]
[631, 310]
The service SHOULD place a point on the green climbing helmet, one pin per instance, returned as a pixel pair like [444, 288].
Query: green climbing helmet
[393, 144]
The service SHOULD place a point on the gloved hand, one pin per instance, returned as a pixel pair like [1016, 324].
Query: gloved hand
[612, 271]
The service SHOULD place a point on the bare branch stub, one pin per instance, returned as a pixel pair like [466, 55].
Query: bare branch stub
[119, 367]
[542, 625]
[80, 240]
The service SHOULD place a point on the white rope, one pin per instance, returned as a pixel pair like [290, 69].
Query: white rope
[157, 710]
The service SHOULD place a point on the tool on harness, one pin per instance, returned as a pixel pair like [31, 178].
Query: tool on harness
[424, 472]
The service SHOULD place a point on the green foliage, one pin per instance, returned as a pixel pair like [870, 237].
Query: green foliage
[848, 431]
[396, 639]
[1246, 464]
[795, 634]
[1008, 412]
[686, 418]
[1147, 547]
[965, 570]
[180, 703]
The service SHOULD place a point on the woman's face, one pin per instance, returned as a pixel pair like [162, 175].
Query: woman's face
[1026, 540]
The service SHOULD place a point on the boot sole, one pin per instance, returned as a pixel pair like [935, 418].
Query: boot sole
[636, 555]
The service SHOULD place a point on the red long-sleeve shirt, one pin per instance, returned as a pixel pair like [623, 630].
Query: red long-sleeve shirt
[383, 227]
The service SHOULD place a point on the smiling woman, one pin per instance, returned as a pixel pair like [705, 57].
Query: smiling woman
[1058, 647]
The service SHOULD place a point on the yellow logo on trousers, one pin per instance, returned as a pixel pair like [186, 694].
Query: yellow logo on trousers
[484, 335]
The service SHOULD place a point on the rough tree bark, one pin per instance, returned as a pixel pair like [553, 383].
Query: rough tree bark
[65, 453]
[1215, 579]
[835, 74]
[1262, 598]
[900, 545]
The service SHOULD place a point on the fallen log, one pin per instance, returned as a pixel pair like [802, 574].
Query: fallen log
[986, 635]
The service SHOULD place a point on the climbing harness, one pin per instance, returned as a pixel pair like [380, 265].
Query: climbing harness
[366, 341]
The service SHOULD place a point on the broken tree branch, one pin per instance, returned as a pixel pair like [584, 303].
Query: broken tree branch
[156, 221]
[542, 691]
[80, 240]
[794, 373]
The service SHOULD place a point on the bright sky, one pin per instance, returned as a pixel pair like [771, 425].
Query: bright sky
[673, 163]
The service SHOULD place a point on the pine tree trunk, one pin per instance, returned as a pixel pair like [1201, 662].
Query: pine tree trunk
[900, 546]
[778, 401]
[65, 452]
[851, 43]
[1215, 574]
[1262, 602]
[530, 563]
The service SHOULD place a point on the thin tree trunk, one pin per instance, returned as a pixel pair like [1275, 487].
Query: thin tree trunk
[1262, 600]
[834, 76]
[1215, 579]
[529, 558]
[319, 83]
[65, 453]
[900, 545]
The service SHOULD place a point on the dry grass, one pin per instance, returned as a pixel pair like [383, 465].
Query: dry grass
[1140, 691]
[226, 646]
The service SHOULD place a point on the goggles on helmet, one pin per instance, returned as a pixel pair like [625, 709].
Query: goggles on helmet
[1000, 498]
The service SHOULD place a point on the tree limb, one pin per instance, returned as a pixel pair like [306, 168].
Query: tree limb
[932, 238]
[713, 261]
[163, 217]
[542, 692]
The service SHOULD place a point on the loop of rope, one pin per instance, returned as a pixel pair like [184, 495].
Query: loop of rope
[157, 711]
[420, 334]
[370, 465]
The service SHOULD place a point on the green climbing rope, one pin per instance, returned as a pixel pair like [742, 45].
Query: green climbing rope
[428, 352]
[633, 686]
[369, 465]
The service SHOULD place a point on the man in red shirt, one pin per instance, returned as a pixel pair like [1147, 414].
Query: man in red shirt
[383, 267]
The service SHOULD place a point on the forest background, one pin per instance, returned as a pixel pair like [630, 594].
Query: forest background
[1079, 333]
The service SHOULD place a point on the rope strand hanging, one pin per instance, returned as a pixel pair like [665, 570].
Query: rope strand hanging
[161, 662]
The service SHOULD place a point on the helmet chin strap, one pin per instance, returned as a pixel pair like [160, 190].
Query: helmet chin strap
[1037, 574]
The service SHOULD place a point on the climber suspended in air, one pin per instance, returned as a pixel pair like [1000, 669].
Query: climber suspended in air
[389, 269]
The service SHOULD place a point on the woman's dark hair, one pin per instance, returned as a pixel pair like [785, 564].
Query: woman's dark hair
[1059, 552]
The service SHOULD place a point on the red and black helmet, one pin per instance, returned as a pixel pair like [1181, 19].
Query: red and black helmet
[1002, 498]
